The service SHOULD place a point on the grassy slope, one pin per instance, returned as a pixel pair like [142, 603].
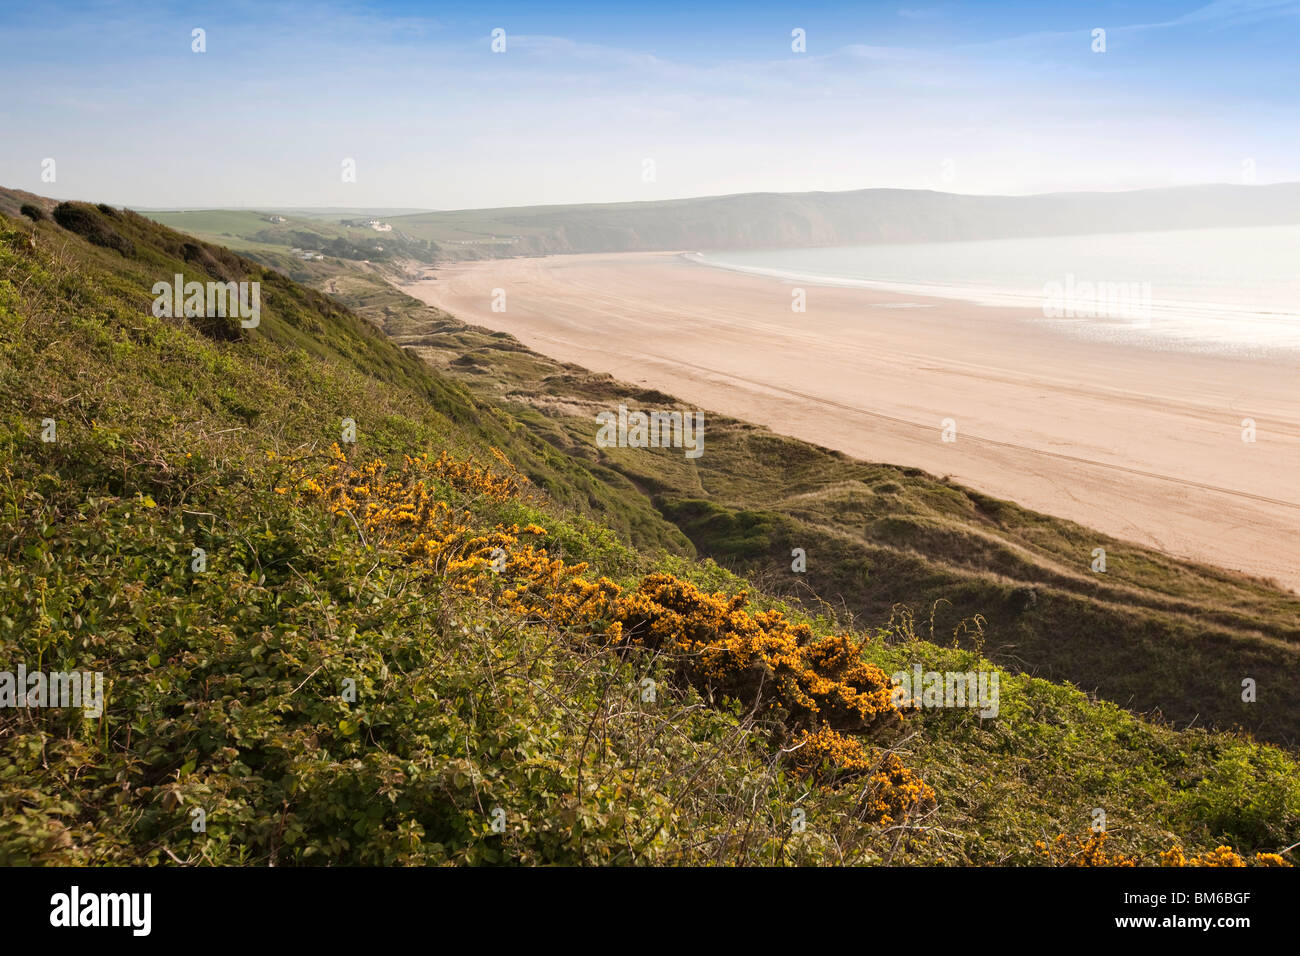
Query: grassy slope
[224, 687]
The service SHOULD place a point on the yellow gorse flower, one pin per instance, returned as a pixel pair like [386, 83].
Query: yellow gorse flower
[818, 683]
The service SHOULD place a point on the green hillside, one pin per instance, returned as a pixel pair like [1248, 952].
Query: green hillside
[338, 237]
[509, 650]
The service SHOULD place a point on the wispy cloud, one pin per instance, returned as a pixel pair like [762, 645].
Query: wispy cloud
[914, 13]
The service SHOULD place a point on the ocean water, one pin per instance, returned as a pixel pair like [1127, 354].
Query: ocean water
[1223, 290]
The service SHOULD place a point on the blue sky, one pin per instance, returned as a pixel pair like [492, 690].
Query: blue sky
[967, 97]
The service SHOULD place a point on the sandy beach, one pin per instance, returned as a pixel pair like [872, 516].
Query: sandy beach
[1141, 444]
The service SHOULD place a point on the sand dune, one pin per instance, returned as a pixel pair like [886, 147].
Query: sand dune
[1144, 445]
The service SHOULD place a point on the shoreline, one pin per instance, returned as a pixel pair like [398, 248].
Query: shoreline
[1140, 444]
[1163, 329]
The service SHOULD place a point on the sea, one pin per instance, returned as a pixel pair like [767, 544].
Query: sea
[1230, 290]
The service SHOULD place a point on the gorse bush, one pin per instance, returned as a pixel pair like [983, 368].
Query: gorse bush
[1068, 851]
[709, 641]
[86, 221]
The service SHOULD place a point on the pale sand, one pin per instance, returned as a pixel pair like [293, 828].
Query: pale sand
[1143, 445]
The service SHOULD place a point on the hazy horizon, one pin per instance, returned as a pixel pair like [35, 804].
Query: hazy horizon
[397, 211]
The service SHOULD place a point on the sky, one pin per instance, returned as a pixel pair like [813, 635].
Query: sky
[611, 102]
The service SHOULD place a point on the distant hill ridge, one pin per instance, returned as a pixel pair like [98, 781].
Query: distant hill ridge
[753, 220]
[774, 220]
